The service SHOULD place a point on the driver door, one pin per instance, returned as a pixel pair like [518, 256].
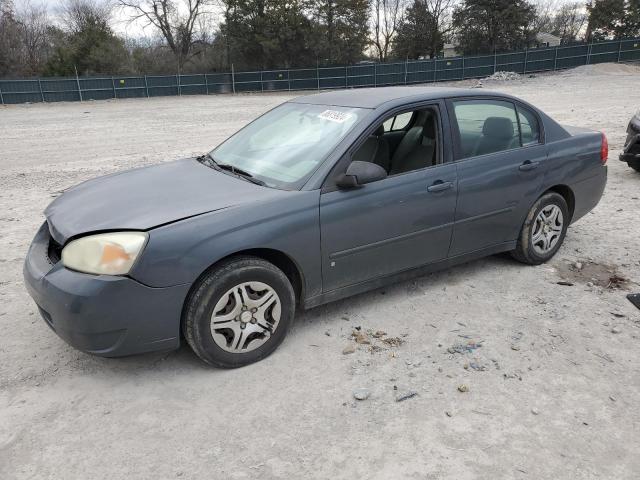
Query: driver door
[388, 226]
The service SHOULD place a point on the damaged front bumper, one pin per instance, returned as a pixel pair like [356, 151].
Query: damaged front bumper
[109, 316]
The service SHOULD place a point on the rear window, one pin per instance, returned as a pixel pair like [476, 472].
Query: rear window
[486, 126]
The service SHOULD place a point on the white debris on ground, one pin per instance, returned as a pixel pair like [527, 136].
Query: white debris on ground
[504, 76]
[492, 369]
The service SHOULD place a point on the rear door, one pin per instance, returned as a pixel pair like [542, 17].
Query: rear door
[500, 159]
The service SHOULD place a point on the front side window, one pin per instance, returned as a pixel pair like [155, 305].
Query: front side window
[402, 151]
[286, 145]
[486, 126]
[397, 122]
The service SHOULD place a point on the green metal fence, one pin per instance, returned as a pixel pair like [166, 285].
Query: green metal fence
[318, 78]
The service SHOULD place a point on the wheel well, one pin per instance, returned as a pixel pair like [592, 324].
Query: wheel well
[277, 258]
[568, 196]
[283, 262]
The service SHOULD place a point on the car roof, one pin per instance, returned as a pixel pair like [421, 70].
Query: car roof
[376, 97]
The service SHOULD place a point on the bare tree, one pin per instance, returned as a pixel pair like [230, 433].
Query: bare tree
[9, 40]
[441, 11]
[33, 21]
[76, 14]
[385, 20]
[177, 21]
[565, 20]
[569, 22]
[545, 12]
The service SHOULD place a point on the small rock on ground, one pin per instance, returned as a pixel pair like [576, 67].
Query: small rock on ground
[361, 394]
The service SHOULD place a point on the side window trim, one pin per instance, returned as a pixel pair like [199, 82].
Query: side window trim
[538, 121]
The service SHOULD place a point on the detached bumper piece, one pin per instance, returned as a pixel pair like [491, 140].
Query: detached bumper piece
[104, 315]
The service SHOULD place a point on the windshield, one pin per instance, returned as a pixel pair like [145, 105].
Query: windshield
[287, 144]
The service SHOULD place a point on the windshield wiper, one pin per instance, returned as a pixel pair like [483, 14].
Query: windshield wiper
[208, 160]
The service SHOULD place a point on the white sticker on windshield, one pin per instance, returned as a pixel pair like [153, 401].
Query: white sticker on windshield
[335, 116]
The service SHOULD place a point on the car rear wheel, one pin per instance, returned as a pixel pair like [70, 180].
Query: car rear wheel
[635, 164]
[239, 312]
[543, 231]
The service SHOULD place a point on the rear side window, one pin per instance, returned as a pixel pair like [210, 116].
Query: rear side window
[399, 122]
[486, 126]
[529, 126]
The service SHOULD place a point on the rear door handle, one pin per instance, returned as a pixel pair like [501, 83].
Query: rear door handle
[528, 165]
[439, 186]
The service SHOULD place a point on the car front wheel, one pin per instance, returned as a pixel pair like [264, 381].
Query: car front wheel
[635, 164]
[544, 230]
[239, 312]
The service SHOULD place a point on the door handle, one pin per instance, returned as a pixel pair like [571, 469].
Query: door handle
[528, 165]
[439, 186]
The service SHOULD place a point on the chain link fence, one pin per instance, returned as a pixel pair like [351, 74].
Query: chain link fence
[367, 74]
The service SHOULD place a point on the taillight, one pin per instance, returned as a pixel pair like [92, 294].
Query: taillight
[604, 149]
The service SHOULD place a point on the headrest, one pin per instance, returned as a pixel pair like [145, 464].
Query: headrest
[498, 127]
[429, 130]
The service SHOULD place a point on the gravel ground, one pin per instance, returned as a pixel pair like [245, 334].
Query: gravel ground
[515, 376]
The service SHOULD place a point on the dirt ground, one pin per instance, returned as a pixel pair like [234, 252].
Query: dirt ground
[551, 372]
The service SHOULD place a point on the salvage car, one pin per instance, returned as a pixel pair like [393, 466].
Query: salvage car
[325, 196]
[631, 150]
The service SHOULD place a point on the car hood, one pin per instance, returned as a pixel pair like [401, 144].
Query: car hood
[147, 197]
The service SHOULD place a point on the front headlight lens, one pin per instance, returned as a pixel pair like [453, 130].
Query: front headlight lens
[105, 253]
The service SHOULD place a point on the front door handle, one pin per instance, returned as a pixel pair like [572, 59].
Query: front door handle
[439, 186]
[528, 165]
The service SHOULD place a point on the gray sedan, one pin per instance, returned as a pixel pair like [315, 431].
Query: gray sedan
[325, 196]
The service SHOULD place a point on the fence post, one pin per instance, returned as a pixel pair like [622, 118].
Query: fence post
[435, 68]
[40, 87]
[289, 78]
[178, 82]
[588, 54]
[375, 74]
[406, 66]
[78, 83]
[233, 79]
[146, 86]
[346, 81]
[619, 49]
[113, 87]
[1, 97]
[526, 54]
[463, 67]
[261, 81]
[495, 60]
[555, 60]
[318, 73]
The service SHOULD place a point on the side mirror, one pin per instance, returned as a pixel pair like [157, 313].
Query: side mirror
[360, 173]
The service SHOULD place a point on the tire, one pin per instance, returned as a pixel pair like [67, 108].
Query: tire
[539, 241]
[635, 164]
[237, 289]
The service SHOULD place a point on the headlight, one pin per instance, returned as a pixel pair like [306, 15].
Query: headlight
[104, 254]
